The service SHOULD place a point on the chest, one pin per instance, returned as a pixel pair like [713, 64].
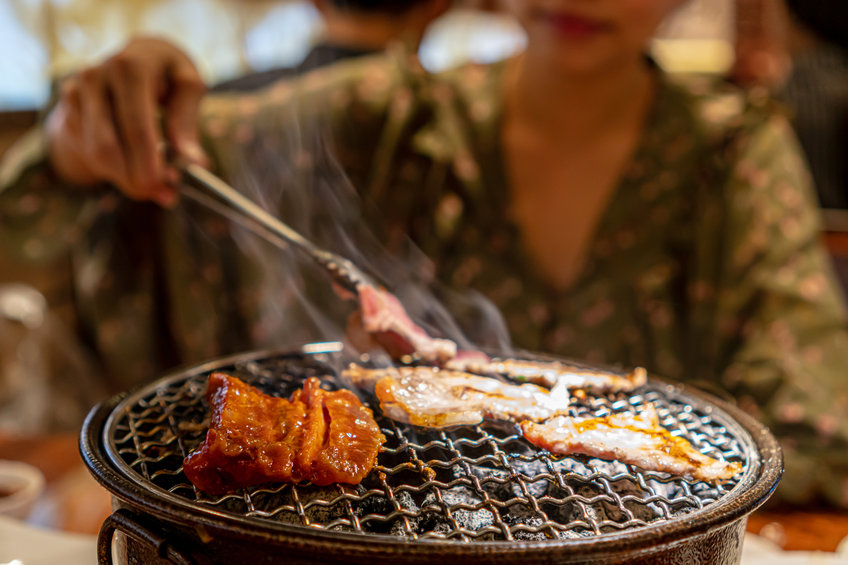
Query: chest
[558, 196]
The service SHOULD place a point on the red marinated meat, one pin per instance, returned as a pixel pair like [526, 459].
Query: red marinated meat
[318, 436]
[384, 317]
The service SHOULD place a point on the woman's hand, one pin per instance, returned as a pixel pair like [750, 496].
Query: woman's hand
[112, 121]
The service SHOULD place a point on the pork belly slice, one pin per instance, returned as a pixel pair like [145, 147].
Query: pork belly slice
[550, 373]
[434, 398]
[318, 436]
[636, 439]
[384, 317]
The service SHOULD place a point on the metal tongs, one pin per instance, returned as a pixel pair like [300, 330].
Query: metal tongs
[209, 190]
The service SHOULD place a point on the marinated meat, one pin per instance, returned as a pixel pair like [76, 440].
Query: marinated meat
[427, 396]
[352, 441]
[636, 439]
[384, 317]
[318, 436]
[550, 373]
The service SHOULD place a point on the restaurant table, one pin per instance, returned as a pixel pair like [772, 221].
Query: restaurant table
[74, 502]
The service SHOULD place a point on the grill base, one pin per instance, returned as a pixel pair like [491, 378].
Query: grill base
[722, 546]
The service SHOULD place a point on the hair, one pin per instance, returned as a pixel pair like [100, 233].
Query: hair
[828, 19]
[386, 6]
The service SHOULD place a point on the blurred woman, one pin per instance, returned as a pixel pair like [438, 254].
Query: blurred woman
[610, 213]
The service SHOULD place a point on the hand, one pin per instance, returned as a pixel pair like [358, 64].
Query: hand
[112, 121]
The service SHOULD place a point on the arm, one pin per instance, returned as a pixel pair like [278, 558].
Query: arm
[106, 131]
[781, 317]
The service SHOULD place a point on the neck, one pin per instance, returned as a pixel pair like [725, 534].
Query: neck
[366, 31]
[577, 104]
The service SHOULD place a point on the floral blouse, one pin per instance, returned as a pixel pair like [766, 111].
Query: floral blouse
[705, 267]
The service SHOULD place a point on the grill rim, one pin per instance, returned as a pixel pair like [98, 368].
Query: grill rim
[752, 491]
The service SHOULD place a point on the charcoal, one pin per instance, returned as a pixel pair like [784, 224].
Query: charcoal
[470, 519]
[520, 514]
[315, 509]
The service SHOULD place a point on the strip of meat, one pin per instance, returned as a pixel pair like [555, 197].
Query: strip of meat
[318, 436]
[550, 373]
[637, 439]
[353, 440]
[427, 396]
[384, 317]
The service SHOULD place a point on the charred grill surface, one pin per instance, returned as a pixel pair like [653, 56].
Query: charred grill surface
[467, 484]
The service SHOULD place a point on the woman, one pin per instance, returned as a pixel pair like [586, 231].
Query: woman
[610, 214]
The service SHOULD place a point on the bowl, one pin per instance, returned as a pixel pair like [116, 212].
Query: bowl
[20, 486]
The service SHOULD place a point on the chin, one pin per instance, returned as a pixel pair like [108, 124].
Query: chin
[572, 60]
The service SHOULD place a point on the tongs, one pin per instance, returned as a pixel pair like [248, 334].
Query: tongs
[382, 314]
[209, 190]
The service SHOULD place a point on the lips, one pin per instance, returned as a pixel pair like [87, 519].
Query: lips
[574, 25]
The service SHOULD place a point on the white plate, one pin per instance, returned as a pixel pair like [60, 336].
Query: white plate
[34, 546]
[26, 484]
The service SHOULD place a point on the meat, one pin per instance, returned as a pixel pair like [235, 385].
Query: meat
[550, 373]
[427, 396]
[637, 439]
[384, 317]
[318, 436]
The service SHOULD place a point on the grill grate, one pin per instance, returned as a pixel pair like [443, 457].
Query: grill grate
[465, 484]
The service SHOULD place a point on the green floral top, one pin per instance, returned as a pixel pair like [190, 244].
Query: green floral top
[705, 267]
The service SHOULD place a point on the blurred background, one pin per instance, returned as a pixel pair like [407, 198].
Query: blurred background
[43, 39]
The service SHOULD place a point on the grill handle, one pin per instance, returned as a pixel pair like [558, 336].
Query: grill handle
[128, 523]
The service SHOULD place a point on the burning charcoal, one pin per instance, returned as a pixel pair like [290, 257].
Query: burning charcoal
[608, 468]
[499, 489]
[469, 519]
[323, 505]
[576, 534]
[521, 514]
[602, 506]
[530, 470]
[432, 521]
[372, 504]
[406, 502]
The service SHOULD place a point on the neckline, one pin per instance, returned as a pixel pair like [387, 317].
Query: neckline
[500, 192]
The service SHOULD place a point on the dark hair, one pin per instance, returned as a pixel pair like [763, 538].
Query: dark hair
[388, 6]
[826, 18]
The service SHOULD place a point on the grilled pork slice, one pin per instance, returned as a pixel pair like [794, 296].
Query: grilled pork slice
[318, 436]
[637, 439]
[427, 396]
[550, 373]
[384, 317]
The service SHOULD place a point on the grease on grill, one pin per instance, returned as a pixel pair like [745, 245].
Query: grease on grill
[467, 484]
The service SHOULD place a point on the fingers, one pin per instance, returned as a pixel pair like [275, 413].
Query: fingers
[181, 111]
[106, 125]
[100, 142]
[64, 132]
[134, 90]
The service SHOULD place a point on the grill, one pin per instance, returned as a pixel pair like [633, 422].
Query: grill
[478, 491]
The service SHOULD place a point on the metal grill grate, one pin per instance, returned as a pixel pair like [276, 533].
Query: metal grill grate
[470, 483]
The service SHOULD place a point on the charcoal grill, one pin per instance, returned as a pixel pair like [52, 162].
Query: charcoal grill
[475, 494]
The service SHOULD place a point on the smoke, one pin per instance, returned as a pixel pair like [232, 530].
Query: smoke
[298, 178]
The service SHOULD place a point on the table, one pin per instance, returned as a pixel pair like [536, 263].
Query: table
[74, 501]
